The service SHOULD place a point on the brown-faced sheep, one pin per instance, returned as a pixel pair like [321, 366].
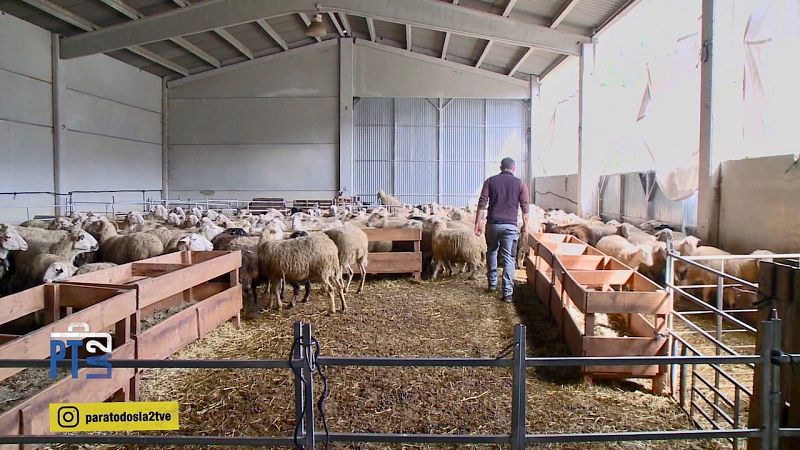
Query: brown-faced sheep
[313, 258]
[745, 269]
[122, 249]
[249, 276]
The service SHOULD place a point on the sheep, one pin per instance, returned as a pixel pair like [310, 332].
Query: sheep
[211, 214]
[208, 229]
[61, 223]
[629, 254]
[94, 267]
[69, 245]
[388, 200]
[456, 246]
[163, 234]
[353, 246]
[10, 241]
[745, 269]
[189, 242]
[133, 220]
[122, 249]
[191, 221]
[174, 219]
[36, 223]
[235, 239]
[580, 231]
[654, 270]
[314, 258]
[158, 212]
[55, 268]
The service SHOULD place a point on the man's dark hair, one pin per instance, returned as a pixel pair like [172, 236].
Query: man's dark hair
[507, 164]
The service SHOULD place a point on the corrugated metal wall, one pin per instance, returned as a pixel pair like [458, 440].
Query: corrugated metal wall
[436, 150]
[635, 206]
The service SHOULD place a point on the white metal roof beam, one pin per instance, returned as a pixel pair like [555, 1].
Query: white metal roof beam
[554, 24]
[346, 24]
[214, 14]
[227, 37]
[307, 21]
[134, 14]
[563, 13]
[485, 52]
[336, 24]
[445, 45]
[408, 37]
[371, 27]
[520, 62]
[77, 21]
[273, 34]
[237, 44]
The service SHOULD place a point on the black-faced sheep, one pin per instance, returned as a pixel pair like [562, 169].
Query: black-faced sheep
[249, 274]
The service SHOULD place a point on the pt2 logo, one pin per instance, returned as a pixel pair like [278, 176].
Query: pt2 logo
[96, 343]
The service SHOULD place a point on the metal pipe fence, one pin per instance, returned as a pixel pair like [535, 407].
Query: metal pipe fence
[306, 365]
[721, 402]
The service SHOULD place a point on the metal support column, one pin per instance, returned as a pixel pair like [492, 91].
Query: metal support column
[439, 152]
[346, 116]
[518, 398]
[718, 333]
[308, 375]
[58, 86]
[775, 403]
[707, 201]
[298, 386]
[587, 174]
[769, 404]
[164, 140]
[535, 92]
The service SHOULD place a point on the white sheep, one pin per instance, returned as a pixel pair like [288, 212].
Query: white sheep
[189, 242]
[122, 249]
[629, 254]
[745, 269]
[353, 246]
[455, 246]
[94, 267]
[314, 258]
[208, 229]
[388, 200]
[158, 212]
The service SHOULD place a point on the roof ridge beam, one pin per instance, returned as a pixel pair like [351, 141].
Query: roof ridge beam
[213, 14]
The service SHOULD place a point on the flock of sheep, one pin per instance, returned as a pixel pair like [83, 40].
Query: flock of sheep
[318, 246]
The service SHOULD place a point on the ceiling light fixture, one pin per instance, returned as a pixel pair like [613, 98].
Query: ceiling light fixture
[316, 28]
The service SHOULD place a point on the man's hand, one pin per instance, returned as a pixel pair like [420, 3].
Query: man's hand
[478, 228]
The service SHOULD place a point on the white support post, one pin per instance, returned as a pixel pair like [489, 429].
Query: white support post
[535, 90]
[588, 173]
[58, 87]
[346, 116]
[164, 140]
[708, 179]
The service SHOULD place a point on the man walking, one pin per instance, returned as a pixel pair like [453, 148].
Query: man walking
[504, 194]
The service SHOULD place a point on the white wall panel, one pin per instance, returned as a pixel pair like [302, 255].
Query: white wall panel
[26, 157]
[759, 205]
[254, 121]
[307, 74]
[560, 191]
[92, 162]
[25, 99]
[106, 77]
[90, 114]
[24, 48]
[280, 167]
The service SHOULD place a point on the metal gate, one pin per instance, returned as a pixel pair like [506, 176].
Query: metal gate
[426, 150]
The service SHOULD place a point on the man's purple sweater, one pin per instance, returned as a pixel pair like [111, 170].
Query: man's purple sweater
[504, 193]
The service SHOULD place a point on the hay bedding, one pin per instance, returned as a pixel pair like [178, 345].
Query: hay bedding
[403, 318]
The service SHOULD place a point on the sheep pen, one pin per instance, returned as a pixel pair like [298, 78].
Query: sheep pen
[400, 317]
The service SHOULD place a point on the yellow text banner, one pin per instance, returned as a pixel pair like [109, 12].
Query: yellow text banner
[115, 416]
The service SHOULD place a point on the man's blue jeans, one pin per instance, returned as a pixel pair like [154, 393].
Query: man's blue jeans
[502, 238]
